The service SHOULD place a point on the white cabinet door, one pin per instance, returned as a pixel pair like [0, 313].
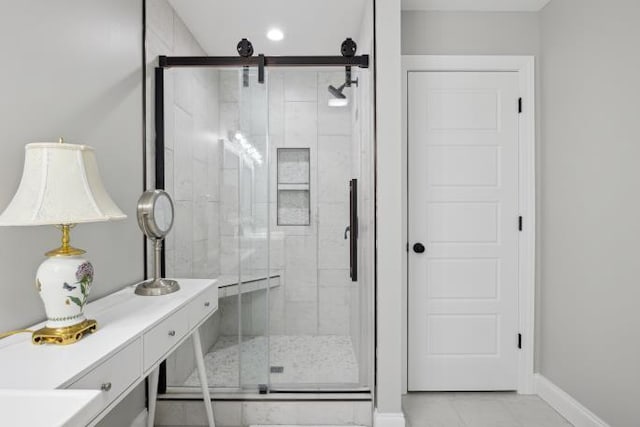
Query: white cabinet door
[463, 208]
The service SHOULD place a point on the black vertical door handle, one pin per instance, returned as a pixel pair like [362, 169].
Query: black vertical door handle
[418, 248]
[353, 230]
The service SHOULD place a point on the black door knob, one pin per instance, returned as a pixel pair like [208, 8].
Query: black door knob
[418, 248]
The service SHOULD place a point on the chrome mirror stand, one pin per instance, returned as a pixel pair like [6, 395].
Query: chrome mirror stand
[155, 218]
[157, 286]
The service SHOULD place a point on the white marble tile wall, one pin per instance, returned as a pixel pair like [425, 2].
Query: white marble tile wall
[335, 303]
[301, 124]
[192, 148]
[334, 172]
[299, 116]
[192, 161]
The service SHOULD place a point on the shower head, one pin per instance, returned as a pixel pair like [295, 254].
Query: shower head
[339, 99]
[337, 92]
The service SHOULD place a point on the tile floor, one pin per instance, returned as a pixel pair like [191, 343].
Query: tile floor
[306, 359]
[494, 409]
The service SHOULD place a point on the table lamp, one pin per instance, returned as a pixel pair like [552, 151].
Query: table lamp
[61, 186]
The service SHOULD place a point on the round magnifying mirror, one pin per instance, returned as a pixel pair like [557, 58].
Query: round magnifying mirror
[155, 217]
[155, 214]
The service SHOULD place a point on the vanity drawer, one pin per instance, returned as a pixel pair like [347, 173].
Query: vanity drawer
[114, 375]
[159, 340]
[203, 305]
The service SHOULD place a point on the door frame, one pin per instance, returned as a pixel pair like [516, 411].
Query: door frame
[525, 67]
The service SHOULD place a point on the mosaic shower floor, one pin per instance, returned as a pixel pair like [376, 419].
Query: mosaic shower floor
[304, 359]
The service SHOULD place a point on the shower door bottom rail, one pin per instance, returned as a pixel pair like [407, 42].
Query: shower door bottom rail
[231, 394]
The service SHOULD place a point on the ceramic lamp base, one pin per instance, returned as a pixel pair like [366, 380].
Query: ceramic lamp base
[65, 335]
[64, 283]
[157, 287]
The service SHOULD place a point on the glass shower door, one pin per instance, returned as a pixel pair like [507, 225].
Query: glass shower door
[216, 169]
[315, 311]
[252, 141]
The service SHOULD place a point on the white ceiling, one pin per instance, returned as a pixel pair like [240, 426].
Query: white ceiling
[311, 27]
[475, 5]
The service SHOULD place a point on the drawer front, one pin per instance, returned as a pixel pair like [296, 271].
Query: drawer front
[203, 305]
[114, 375]
[159, 340]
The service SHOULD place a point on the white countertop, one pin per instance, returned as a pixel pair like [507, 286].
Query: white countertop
[121, 316]
[48, 408]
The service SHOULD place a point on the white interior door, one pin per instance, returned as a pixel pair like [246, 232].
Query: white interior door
[463, 208]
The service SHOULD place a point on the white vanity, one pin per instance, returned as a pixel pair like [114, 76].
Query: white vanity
[135, 334]
[44, 408]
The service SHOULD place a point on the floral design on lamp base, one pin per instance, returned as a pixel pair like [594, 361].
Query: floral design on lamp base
[64, 284]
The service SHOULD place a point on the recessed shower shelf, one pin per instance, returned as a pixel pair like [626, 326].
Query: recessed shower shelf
[294, 186]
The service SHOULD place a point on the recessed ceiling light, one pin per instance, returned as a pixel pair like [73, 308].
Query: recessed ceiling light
[275, 34]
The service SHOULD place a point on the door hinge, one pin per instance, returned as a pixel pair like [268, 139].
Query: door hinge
[520, 341]
[519, 223]
[407, 246]
[520, 105]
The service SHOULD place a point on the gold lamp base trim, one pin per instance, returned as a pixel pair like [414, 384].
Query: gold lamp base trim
[66, 335]
[68, 251]
[65, 248]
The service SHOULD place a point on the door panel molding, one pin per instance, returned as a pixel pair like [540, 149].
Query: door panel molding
[525, 67]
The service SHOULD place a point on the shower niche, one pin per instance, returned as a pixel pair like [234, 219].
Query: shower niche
[294, 186]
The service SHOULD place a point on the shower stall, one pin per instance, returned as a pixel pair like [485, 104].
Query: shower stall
[269, 161]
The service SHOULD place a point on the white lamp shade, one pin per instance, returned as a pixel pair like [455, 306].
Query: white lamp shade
[60, 185]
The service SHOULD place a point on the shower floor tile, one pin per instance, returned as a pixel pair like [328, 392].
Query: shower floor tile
[305, 359]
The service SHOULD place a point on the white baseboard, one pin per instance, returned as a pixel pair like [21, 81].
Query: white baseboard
[566, 405]
[385, 419]
[140, 420]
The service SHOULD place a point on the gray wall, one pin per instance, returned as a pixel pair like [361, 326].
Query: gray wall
[470, 33]
[590, 175]
[72, 68]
